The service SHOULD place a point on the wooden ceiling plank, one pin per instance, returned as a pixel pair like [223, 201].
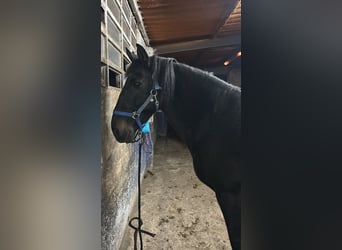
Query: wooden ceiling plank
[225, 16]
[199, 44]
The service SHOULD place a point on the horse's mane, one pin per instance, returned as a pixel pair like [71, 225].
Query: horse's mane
[164, 74]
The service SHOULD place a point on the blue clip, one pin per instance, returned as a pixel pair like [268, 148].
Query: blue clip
[146, 128]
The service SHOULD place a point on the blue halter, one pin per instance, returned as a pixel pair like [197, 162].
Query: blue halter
[135, 115]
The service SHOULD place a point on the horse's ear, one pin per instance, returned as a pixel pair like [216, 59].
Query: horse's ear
[130, 55]
[142, 53]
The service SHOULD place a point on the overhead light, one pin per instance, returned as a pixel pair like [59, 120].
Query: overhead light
[226, 63]
[239, 54]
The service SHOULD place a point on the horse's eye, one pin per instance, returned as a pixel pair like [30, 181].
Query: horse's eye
[137, 84]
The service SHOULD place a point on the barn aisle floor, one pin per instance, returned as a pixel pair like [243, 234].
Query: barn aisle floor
[176, 206]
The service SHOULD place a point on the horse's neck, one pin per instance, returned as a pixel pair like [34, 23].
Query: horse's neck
[185, 112]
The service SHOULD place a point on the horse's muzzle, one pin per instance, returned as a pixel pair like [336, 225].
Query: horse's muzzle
[123, 130]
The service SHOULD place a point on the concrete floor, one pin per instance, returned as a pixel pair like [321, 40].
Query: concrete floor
[176, 206]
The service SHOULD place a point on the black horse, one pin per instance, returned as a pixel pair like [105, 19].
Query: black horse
[205, 113]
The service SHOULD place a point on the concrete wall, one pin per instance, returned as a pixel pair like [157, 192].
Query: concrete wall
[119, 175]
[121, 28]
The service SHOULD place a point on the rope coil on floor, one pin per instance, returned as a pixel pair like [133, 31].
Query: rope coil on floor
[137, 229]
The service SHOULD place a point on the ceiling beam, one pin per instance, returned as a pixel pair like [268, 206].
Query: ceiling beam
[199, 44]
[224, 17]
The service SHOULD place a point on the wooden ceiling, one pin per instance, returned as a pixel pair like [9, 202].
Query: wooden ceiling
[201, 33]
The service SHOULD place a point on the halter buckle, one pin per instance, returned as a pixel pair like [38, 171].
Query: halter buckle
[154, 92]
[135, 115]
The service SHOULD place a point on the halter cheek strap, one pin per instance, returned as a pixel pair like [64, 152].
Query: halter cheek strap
[135, 115]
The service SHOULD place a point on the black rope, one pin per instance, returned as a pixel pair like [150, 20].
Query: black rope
[137, 229]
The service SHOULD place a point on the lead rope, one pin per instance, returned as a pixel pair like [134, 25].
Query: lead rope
[138, 229]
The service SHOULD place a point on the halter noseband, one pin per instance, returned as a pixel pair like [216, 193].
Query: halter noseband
[135, 115]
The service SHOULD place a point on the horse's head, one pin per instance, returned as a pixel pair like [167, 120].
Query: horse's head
[138, 98]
